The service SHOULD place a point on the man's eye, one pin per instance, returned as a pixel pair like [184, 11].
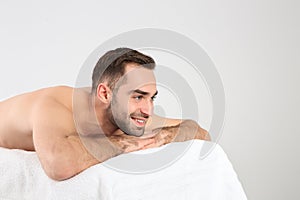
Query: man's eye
[153, 98]
[138, 97]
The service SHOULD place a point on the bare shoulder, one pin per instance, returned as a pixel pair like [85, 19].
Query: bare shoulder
[52, 114]
[61, 94]
[53, 110]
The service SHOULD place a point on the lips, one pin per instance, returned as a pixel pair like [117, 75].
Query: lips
[139, 121]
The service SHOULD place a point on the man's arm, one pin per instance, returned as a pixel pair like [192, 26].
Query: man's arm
[62, 152]
[174, 130]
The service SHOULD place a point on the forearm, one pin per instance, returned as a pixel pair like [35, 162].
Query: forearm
[97, 149]
[101, 148]
[73, 154]
[186, 130]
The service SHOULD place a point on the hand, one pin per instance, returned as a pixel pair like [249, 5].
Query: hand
[108, 146]
[127, 143]
[162, 136]
[187, 130]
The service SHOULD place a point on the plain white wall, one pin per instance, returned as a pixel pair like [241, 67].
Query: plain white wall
[254, 44]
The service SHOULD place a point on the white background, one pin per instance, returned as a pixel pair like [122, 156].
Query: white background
[254, 44]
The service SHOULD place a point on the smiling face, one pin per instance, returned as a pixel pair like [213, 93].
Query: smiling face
[132, 102]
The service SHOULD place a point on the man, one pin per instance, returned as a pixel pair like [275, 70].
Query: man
[72, 129]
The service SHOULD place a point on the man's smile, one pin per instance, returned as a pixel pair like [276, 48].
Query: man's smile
[139, 121]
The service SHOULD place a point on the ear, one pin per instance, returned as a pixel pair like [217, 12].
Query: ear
[104, 93]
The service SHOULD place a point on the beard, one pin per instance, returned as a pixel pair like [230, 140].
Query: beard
[123, 121]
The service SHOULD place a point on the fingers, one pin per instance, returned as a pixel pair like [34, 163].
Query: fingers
[139, 144]
[145, 142]
[158, 142]
[130, 143]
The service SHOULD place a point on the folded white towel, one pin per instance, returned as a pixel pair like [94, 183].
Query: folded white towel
[181, 177]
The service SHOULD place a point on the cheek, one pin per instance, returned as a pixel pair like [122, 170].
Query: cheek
[131, 106]
[121, 103]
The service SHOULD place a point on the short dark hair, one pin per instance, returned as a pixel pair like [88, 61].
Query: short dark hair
[111, 66]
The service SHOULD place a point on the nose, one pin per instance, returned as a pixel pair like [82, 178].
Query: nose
[147, 107]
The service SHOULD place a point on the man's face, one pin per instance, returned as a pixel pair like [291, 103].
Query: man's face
[132, 102]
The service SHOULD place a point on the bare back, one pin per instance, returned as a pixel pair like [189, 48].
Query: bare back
[16, 115]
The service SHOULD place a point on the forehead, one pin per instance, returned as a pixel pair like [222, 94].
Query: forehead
[137, 76]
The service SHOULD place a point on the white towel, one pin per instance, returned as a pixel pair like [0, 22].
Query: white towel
[187, 177]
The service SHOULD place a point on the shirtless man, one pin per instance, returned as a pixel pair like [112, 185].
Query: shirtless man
[72, 129]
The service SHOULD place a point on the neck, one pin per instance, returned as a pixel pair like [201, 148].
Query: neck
[90, 115]
[103, 116]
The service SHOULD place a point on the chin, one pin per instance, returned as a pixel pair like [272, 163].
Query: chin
[132, 129]
[135, 133]
[138, 134]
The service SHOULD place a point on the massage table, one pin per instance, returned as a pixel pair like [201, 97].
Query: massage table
[173, 171]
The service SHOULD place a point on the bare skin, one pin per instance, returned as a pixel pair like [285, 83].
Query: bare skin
[43, 121]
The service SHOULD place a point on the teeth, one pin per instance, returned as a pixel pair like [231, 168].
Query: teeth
[140, 121]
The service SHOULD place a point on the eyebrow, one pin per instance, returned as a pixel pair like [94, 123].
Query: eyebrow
[142, 92]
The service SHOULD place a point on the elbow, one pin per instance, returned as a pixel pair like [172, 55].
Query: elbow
[59, 175]
[200, 133]
[205, 135]
[59, 171]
